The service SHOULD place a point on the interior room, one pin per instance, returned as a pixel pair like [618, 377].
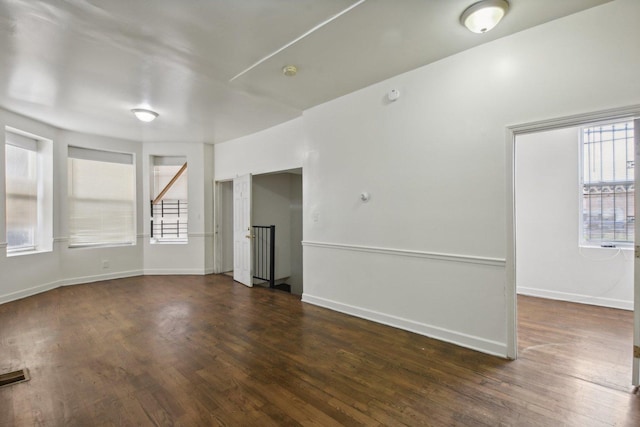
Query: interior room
[445, 257]
[553, 260]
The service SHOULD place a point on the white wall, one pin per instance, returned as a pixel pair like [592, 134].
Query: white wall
[28, 274]
[550, 262]
[295, 212]
[427, 252]
[279, 148]
[208, 210]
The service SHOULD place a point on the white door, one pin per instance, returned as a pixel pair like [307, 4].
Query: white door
[242, 230]
[636, 264]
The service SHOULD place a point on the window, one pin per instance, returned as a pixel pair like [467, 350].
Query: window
[608, 184]
[169, 206]
[102, 194]
[28, 193]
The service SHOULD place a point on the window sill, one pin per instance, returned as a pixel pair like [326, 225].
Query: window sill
[625, 247]
[169, 242]
[28, 252]
[102, 246]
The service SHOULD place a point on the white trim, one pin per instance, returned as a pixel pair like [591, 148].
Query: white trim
[469, 341]
[175, 271]
[13, 296]
[65, 282]
[577, 298]
[21, 141]
[635, 372]
[217, 241]
[469, 259]
[511, 297]
[200, 234]
[11, 254]
[99, 278]
[26, 134]
[210, 234]
[621, 113]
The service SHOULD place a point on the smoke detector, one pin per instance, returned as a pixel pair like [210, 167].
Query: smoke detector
[290, 70]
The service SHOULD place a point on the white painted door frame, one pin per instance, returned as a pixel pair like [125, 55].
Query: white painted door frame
[217, 216]
[636, 262]
[510, 290]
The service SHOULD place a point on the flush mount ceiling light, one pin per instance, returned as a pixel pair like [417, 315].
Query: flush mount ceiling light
[483, 16]
[144, 115]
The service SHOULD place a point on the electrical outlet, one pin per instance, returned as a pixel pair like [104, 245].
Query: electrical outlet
[105, 263]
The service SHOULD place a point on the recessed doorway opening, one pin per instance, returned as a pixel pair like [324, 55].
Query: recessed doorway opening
[275, 200]
[556, 273]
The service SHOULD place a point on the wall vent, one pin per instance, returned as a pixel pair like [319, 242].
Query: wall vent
[14, 377]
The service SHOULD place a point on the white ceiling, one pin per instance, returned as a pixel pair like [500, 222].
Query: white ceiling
[83, 64]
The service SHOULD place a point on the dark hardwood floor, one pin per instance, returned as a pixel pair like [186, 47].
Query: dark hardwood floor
[201, 351]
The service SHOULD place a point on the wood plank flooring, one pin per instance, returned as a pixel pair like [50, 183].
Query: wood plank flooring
[202, 351]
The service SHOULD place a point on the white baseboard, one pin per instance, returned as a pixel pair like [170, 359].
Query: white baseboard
[28, 292]
[475, 343]
[65, 282]
[581, 299]
[99, 278]
[175, 271]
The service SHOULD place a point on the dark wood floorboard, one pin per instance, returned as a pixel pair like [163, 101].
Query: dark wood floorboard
[202, 351]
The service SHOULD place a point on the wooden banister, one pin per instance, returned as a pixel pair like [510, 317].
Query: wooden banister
[170, 184]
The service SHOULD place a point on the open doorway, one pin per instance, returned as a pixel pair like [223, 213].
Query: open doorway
[574, 215]
[276, 200]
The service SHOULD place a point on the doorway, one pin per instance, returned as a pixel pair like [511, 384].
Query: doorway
[276, 199]
[536, 278]
[575, 297]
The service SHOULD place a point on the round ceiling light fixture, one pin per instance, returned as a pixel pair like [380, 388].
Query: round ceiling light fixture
[289, 70]
[483, 16]
[144, 115]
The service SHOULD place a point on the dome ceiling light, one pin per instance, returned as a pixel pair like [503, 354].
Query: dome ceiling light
[483, 16]
[144, 115]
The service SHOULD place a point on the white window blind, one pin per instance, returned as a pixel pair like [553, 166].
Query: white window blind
[21, 192]
[102, 191]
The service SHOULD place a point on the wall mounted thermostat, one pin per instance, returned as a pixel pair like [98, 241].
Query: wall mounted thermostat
[393, 95]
